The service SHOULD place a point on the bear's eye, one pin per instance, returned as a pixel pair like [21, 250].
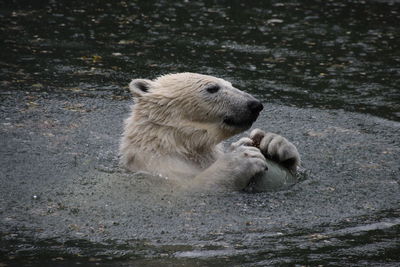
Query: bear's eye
[213, 89]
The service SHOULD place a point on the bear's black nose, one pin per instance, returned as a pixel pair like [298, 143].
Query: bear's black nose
[255, 106]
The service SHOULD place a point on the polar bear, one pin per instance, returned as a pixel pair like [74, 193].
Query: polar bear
[177, 125]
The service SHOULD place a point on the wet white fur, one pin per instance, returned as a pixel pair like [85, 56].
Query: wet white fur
[172, 131]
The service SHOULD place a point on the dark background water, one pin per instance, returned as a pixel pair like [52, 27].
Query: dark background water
[326, 71]
[328, 54]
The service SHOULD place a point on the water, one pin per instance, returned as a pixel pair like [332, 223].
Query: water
[326, 71]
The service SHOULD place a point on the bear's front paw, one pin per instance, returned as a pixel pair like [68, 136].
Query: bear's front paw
[277, 148]
[246, 160]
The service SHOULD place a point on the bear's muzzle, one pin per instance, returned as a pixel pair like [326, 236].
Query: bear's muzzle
[247, 118]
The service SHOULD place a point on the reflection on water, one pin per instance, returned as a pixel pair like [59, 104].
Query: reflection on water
[327, 72]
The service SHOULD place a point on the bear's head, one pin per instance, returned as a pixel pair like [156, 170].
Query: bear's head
[190, 101]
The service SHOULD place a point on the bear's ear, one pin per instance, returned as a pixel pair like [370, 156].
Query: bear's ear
[139, 87]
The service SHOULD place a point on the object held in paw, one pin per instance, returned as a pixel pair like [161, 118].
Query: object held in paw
[282, 160]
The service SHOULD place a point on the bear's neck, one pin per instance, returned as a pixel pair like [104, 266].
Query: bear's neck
[186, 141]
